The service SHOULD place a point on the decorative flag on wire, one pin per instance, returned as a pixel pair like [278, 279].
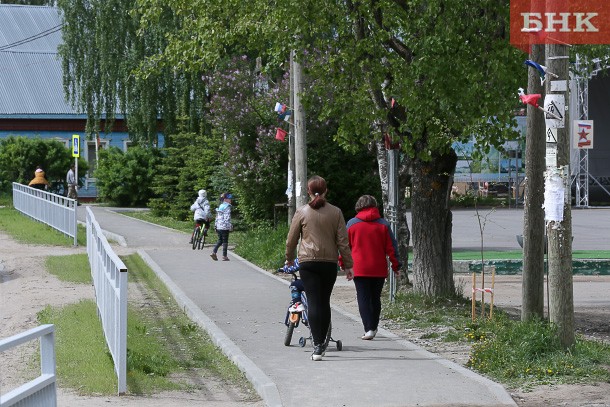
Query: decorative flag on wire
[532, 99]
[280, 134]
[541, 70]
[280, 108]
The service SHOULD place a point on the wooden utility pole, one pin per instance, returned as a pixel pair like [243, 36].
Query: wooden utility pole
[533, 212]
[557, 195]
[300, 138]
[291, 167]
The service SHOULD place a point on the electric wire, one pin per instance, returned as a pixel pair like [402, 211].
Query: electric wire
[34, 37]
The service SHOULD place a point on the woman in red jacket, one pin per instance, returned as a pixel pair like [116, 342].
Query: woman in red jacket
[372, 243]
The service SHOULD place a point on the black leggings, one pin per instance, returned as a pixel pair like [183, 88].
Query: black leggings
[319, 279]
[368, 292]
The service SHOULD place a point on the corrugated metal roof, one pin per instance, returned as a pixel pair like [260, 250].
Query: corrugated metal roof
[30, 69]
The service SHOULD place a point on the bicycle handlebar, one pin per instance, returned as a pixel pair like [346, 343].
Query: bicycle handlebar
[289, 269]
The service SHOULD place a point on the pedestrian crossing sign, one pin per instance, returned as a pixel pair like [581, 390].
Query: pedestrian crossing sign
[75, 145]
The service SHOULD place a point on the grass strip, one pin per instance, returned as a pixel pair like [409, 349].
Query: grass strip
[27, 230]
[514, 353]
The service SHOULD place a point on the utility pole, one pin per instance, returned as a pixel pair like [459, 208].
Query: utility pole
[291, 130]
[557, 194]
[533, 213]
[300, 138]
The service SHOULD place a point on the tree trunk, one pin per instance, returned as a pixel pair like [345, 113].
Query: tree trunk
[533, 213]
[403, 232]
[432, 225]
[404, 180]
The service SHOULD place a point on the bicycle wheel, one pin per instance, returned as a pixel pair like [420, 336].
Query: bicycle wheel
[196, 238]
[201, 240]
[289, 331]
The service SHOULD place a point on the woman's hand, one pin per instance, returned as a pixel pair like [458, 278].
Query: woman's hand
[349, 274]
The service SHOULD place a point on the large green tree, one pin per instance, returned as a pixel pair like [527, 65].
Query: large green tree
[102, 50]
[428, 72]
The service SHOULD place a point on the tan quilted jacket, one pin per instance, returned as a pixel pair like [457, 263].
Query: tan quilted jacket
[323, 235]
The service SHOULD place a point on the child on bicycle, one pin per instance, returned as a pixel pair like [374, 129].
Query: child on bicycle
[296, 288]
[201, 207]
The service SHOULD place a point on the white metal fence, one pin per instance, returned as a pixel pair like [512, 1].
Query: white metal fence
[42, 390]
[55, 210]
[110, 281]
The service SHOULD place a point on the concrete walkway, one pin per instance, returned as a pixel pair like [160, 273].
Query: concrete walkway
[243, 307]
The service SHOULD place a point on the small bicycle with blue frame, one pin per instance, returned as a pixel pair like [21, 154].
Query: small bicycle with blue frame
[297, 310]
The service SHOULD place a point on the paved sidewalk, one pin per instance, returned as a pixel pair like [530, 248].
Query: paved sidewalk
[243, 308]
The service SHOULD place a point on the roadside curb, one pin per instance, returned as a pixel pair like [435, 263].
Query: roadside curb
[264, 386]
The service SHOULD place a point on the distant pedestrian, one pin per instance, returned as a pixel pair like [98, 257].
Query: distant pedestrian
[223, 227]
[372, 243]
[71, 181]
[39, 181]
[320, 229]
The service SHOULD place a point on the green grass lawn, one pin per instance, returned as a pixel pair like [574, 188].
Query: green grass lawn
[27, 230]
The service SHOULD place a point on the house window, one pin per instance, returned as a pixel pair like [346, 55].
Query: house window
[65, 141]
[126, 144]
[91, 154]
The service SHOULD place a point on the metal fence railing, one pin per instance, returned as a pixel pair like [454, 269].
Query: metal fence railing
[41, 391]
[55, 210]
[110, 281]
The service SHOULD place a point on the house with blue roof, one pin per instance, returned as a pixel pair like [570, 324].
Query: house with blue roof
[32, 101]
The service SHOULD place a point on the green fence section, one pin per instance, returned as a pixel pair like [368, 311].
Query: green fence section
[591, 267]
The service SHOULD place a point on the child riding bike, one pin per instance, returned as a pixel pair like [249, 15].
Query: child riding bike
[296, 288]
[201, 207]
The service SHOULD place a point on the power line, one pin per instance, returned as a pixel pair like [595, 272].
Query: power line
[34, 37]
[29, 52]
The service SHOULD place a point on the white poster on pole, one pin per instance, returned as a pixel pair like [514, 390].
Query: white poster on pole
[582, 131]
[553, 196]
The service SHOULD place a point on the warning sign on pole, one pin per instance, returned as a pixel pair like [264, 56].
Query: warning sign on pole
[554, 105]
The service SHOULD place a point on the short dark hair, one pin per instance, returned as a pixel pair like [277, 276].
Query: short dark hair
[365, 201]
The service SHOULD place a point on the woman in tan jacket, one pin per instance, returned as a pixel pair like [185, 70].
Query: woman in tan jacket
[321, 228]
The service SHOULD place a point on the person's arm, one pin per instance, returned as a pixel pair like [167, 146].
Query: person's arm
[343, 242]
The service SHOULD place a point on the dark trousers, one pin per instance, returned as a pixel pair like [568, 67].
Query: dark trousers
[318, 279]
[368, 293]
[223, 239]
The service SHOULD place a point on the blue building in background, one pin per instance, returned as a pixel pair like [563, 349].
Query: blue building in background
[32, 102]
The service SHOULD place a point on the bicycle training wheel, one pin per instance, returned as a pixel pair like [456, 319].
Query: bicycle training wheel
[196, 238]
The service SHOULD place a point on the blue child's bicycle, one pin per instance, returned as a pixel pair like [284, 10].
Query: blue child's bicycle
[297, 310]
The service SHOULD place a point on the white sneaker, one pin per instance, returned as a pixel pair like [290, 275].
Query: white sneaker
[369, 335]
[298, 307]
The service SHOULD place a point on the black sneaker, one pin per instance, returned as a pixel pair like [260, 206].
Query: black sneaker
[318, 352]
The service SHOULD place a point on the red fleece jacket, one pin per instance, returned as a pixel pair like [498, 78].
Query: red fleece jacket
[371, 240]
